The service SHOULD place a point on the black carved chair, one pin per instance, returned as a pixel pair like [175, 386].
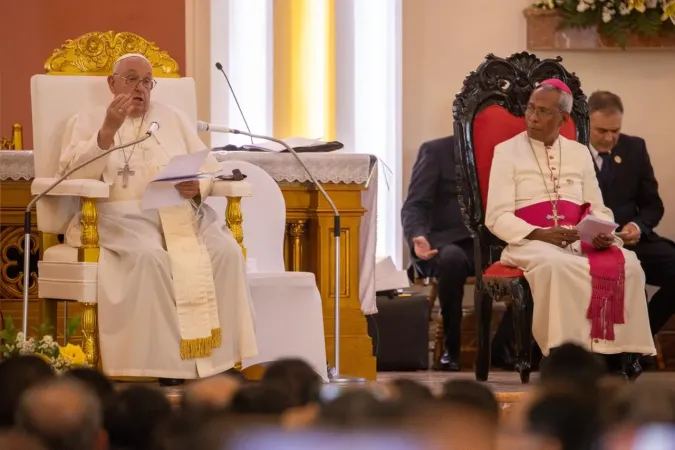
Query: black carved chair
[487, 111]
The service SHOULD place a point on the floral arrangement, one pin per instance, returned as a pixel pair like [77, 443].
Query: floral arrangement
[43, 346]
[616, 19]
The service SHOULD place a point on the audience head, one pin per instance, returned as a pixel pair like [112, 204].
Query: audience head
[139, 415]
[606, 113]
[17, 374]
[209, 396]
[15, 440]
[295, 377]
[472, 395]
[642, 404]
[359, 408]
[63, 414]
[100, 385]
[573, 365]
[260, 399]
[563, 420]
[410, 394]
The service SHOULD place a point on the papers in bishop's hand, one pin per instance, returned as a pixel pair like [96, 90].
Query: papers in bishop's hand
[591, 226]
[161, 192]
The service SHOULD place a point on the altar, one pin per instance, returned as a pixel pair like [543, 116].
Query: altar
[351, 181]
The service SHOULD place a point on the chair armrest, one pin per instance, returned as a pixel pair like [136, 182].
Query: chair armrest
[223, 188]
[71, 188]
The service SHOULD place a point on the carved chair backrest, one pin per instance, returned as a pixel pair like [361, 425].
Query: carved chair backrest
[489, 110]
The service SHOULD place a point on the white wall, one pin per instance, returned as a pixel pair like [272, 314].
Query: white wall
[443, 40]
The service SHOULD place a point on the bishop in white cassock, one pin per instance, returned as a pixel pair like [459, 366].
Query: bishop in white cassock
[173, 300]
[541, 185]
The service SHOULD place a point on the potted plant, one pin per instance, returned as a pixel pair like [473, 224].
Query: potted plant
[622, 23]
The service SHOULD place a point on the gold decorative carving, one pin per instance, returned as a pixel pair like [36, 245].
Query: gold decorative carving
[234, 219]
[296, 230]
[11, 271]
[16, 142]
[90, 333]
[95, 53]
[89, 250]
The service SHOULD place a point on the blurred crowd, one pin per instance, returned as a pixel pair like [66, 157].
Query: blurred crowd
[574, 405]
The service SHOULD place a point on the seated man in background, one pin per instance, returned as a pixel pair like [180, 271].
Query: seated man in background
[160, 312]
[630, 190]
[541, 186]
[436, 234]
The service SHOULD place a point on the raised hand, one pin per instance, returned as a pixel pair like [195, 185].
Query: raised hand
[423, 249]
[115, 115]
[558, 236]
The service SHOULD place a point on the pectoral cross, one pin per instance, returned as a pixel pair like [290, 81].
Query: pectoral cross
[126, 172]
[555, 217]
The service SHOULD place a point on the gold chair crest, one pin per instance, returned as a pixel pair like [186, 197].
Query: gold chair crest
[95, 53]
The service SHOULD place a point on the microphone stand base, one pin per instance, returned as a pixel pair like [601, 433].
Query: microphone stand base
[346, 380]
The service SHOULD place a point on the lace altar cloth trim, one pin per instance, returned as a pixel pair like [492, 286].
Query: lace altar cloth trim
[349, 168]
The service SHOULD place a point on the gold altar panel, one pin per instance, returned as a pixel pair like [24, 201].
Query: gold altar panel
[95, 53]
[311, 224]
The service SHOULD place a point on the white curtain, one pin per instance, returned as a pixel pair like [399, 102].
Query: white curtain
[368, 83]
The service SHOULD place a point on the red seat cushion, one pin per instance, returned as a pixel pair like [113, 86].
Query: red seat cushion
[492, 126]
[499, 270]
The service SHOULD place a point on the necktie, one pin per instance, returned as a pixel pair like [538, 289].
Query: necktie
[603, 174]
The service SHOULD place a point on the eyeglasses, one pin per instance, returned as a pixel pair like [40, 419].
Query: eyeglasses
[132, 80]
[540, 112]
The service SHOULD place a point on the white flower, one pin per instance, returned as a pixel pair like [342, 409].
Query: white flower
[20, 337]
[652, 3]
[624, 10]
[47, 339]
[607, 13]
[583, 6]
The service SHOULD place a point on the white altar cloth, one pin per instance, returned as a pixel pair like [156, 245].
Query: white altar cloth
[334, 167]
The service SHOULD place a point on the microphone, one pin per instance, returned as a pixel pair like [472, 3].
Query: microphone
[219, 66]
[154, 126]
[336, 378]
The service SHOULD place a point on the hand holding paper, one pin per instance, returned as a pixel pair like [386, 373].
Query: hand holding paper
[163, 192]
[590, 227]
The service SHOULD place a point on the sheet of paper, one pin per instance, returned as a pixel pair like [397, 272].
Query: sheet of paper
[183, 166]
[162, 192]
[591, 226]
[293, 142]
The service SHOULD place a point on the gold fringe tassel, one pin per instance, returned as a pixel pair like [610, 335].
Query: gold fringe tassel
[216, 337]
[196, 348]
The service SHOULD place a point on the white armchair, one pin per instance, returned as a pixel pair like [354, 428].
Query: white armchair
[287, 305]
[71, 274]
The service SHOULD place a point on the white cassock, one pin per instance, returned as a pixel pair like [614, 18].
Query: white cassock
[563, 289]
[173, 301]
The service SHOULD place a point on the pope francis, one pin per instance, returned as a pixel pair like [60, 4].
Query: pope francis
[172, 295]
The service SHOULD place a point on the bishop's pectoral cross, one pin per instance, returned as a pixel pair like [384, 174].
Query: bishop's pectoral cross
[555, 217]
[126, 172]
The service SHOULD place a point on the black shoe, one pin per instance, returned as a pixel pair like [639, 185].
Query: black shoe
[634, 370]
[648, 363]
[449, 364]
[167, 382]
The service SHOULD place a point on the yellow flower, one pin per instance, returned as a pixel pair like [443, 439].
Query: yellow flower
[74, 354]
[669, 11]
[640, 5]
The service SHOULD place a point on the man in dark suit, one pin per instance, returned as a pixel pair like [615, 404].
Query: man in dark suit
[630, 190]
[437, 237]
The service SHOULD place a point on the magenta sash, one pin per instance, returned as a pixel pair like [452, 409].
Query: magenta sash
[607, 267]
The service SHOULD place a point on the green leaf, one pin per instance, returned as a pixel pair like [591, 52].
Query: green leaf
[9, 333]
[72, 325]
[43, 329]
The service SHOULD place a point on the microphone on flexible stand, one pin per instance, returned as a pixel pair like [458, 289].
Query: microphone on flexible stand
[219, 66]
[335, 378]
[154, 126]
